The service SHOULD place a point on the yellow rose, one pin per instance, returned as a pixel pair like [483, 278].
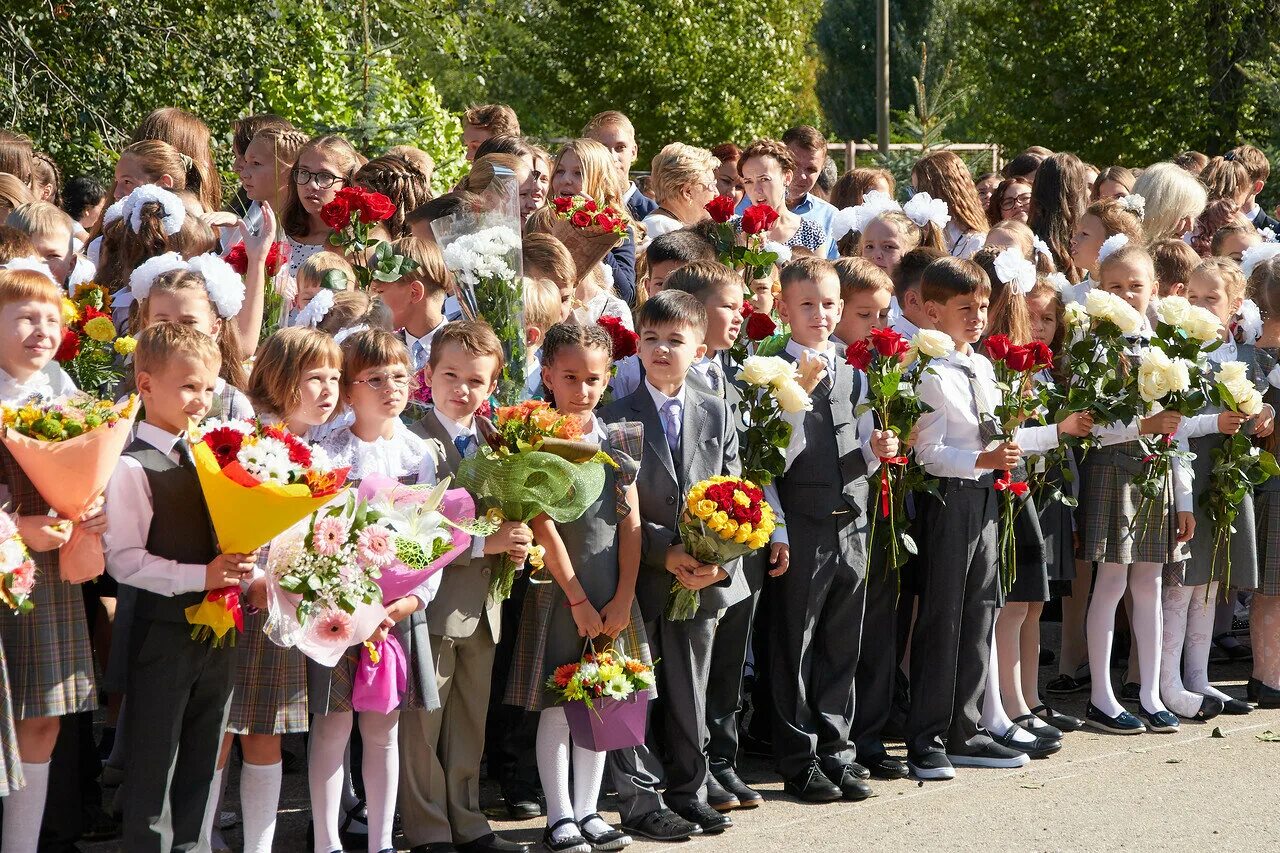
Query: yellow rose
[704, 508]
[717, 521]
[740, 498]
[758, 541]
[743, 534]
[100, 329]
[125, 345]
[696, 494]
[746, 525]
[730, 528]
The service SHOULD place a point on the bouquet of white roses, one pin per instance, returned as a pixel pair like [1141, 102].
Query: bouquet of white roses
[772, 389]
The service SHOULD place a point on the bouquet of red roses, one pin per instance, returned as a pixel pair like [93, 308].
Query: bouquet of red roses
[588, 230]
[625, 341]
[753, 255]
[277, 257]
[352, 215]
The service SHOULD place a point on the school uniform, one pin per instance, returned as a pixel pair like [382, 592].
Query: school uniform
[638, 204]
[1266, 497]
[1057, 522]
[958, 584]
[1261, 219]
[687, 438]
[441, 748]
[179, 689]
[419, 348]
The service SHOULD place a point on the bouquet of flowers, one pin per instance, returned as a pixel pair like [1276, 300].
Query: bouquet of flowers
[536, 462]
[17, 570]
[1174, 373]
[724, 518]
[893, 365]
[1238, 465]
[755, 255]
[771, 390]
[352, 215]
[587, 230]
[277, 256]
[625, 342]
[1015, 367]
[277, 290]
[759, 331]
[601, 694]
[258, 480]
[68, 450]
[90, 350]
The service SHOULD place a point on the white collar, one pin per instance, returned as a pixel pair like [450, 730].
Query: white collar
[1251, 212]
[160, 439]
[409, 339]
[905, 327]
[454, 428]
[660, 399]
[796, 350]
[632, 189]
[1227, 352]
[51, 382]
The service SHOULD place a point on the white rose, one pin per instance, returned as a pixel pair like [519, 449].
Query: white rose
[1173, 310]
[909, 358]
[1178, 375]
[1097, 303]
[791, 397]
[1153, 375]
[1203, 325]
[765, 370]
[1232, 373]
[1075, 315]
[1126, 317]
[1251, 403]
[933, 343]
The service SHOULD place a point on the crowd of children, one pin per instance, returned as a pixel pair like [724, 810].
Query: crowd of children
[848, 652]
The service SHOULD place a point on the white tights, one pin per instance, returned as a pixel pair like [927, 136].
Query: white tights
[380, 771]
[553, 748]
[1108, 588]
[994, 718]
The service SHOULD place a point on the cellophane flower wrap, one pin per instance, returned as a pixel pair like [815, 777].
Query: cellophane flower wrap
[587, 229]
[606, 674]
[258, 480]
[68, 449]
[17, 569]
[724, 518]
[482, 248]
[1238, 465]
[1173, 375]
[90, 351]
[771, 390]
[1015, 367]
[536, 462]
[416, 530]
[893, 365]
[352, 215]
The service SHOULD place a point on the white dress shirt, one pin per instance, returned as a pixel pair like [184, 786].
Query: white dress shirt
[429, 472]
[963, 244]
[420, 348]
[904, 327]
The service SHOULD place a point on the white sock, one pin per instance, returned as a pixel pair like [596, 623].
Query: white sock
[1200, 618]
[24, 809]
[380, 770]
[1147, 622]
[994, 719]
[588, 773]
[329, 736]
[259, 799]
[207, 830]
[553, 768]
[1100, 629]
[1176, 696]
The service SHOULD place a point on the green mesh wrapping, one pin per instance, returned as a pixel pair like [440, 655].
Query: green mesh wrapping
[526, 484]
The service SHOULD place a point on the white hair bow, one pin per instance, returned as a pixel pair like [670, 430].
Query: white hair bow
[924, 209]
[221, 282]
[1135, 204]
[1255, 255]
[174, 211]
[146, 273]
[1111, 245]
[316, 310]
[343, 334]
[856, 219]
[31, 265]
[1014, 269]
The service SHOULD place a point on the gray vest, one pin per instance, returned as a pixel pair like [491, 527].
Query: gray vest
[180, 528]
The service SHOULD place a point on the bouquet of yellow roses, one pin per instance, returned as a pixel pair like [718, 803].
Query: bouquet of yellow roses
[724, 518]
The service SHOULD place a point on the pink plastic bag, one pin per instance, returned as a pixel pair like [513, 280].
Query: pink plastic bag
[379, 686]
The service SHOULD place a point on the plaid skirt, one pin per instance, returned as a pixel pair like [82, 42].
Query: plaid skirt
[1200, 568]
[549, 638]
[1266, 509]
[329, 688]
[270, 693]
[10, 761]
[1108, 516]
[49, 657]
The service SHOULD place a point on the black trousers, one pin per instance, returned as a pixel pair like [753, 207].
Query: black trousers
[878, 664]
[511, 733]
[728, 658]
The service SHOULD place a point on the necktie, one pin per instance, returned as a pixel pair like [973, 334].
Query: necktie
[715, 379]
[671, 423]
[988, 429]
[185, 459]
[463, 443]
[419, 353]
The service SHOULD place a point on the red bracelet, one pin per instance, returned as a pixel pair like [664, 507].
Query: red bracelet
[573, 604]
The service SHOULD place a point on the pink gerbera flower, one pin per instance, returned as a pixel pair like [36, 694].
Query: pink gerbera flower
[374, 545]
[334, 626]
[329, 536]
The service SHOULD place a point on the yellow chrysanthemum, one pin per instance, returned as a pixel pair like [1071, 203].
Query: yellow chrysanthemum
[740, 498]
[100, 329]
[126, 345]
[70, 311]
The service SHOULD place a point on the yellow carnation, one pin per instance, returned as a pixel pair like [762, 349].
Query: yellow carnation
[125, 345]
[70, 311]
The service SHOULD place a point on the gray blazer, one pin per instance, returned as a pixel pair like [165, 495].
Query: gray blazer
[709, 447]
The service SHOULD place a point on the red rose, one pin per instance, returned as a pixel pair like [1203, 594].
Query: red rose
[760, 326]
[758, 218]
[580, 219]
[721, 208]
[376, 207]
[590, 206]
[888, 342]
[747, 309]
[277, 257]
[1020, 358]
[238, 258]
[69, 348]
[562, 203]
[624, 340]
[858, 355]
[1043, 355]
[336, 214]
[997, 347]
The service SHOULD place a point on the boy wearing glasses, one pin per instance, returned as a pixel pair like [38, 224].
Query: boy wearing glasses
[441, 749]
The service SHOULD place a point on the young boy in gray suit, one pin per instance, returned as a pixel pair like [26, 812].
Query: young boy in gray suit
[689, 436]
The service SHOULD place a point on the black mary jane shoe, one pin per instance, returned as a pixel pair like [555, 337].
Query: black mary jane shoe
[613, 839]
[1158, 722]
[1040, 747]
[1236, 708]
[574, 843]
[1038, 727]
[1262, 695]
[1210, 707]
[1062, 722]
[1123, 723]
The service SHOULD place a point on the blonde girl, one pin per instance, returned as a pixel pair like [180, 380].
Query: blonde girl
[944, 175]
[1101, 220]
[890, 235]
[585, 167]
[1173, 201]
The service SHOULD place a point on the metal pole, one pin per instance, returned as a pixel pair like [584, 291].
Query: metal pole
[882, 75]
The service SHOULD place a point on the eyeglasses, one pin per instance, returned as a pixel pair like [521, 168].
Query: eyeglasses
[384, 383]
[323, 180]
[1016, 201]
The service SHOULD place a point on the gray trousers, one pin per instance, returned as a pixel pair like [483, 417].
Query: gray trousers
[817, 634]
[177, 703]
[677, 721]
[951, 645]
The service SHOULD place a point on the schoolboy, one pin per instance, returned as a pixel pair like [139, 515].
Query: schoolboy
[416, 300]
[866, 291]
[910, 316]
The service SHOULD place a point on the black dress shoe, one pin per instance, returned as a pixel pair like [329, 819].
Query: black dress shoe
[1235, 708]
[1061, 722]
[491, 843]
[729, 780]
[522, 803]
[710, 821]
[883, 766]
[1158, 722]
[851, 786]
[1040, 747]
[661, 825]
[572, 843]
[1038, 727]
[718, 797]
[859, 770]
[1123, 723]
[1065, 685]
[812, 786]
[1210, 707]
[1262, 695]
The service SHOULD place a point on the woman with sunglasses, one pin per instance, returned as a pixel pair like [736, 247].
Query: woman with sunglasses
[325, 165]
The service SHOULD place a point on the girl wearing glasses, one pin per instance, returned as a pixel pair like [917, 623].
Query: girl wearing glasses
[325, 165]
[1011, 200]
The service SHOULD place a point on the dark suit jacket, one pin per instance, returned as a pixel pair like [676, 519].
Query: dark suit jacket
[709, 447]
[640, 205]
[1262, 220]
[622, 260]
